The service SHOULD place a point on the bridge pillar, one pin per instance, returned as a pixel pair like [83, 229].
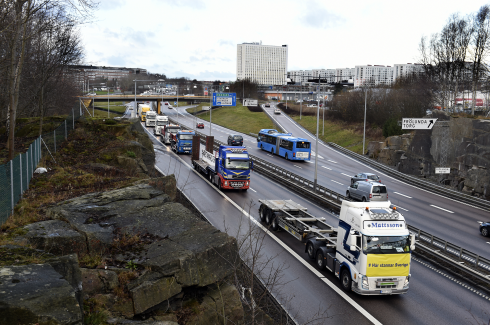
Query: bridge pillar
[159, 106]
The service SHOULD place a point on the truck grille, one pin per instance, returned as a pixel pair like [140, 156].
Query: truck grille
[386, 283]
[239, 176]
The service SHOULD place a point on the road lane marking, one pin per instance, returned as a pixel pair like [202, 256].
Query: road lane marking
[435, 206]
[398, 207]
[270, 155]
[336, 182]
[326, 167]
[297, 166]
[332, 161]
[346, 175]
[403, 195]
[252, 189]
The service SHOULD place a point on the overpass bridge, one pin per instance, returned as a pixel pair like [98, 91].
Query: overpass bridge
[148, 98]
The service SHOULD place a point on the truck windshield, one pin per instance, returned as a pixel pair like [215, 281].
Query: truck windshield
[385, 244]
[173, 131]
[161, 123]
[237, 164]
[185, 137]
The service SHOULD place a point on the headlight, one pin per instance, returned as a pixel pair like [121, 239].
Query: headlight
[226, 183]
[365, 283]
[407, 282]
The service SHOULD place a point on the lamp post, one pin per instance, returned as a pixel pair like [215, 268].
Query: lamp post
[365, 106]
[195, 117]
[316, 143]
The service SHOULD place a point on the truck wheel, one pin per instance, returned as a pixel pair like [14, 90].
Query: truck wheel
[310, 250]
[268, 217]
[219, 184]
[275, 223]
[262, 213]
[345, 280]
[320, 260]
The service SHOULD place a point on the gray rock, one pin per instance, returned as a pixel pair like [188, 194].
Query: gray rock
[98, 281]
[151, 293]
[36, 293]
[56, 237]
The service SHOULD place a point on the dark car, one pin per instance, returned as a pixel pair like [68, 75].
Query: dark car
[235, 140]
[267, 105]
[485, 228]
[367, 177]
[200, 125]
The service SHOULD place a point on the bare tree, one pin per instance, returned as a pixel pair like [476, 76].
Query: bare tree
[480, 43]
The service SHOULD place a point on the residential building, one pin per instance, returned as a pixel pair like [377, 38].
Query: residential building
[404, 70]
[264, 64]
[373, 75]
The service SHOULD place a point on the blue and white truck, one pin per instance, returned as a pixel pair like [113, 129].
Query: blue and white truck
[181, 142]
[369, 251]
[228, 168]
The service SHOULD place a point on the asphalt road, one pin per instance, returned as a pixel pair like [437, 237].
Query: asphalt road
[433, 298]
[440, 216]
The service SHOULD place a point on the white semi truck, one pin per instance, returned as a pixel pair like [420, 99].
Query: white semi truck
[160, 124]
[151, 118]
[369, 251]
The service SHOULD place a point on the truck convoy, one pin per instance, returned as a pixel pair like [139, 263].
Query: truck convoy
[151, 118]
[162, 121]
[181, 142]
[168, 131]
[369, 252]
[229, 168]
[142, 109]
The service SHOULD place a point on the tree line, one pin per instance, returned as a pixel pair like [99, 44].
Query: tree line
[38, 41]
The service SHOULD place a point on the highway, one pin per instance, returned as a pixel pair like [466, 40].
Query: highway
[440, 216]
[433, 298]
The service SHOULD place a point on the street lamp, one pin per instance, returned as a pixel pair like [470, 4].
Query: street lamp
[195, 117]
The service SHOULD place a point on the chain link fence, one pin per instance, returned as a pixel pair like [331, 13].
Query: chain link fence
[16, 175]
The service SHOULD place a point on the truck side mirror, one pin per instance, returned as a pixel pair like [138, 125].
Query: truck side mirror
[352, 242]
[251, 164]
[412, 242]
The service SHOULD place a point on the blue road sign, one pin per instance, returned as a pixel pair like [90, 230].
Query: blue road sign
[224, 99]
[270, 87]
[175, 103]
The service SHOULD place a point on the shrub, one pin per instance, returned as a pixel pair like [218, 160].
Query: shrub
[130, 154]
[391, 128]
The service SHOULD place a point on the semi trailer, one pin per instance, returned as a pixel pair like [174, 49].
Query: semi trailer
[369, 250]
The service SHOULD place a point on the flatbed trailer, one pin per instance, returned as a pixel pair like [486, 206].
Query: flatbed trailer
[369, 252]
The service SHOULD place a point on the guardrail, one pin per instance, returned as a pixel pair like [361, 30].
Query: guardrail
[431, 187]
[474, 267]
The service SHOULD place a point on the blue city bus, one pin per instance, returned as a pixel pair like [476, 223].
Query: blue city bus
[284, 145]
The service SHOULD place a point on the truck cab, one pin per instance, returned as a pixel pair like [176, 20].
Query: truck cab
[151, 118]
[232, 167]
[181, 141]
[161, 122]
[142, 110]
[168, 131]
[373, 249]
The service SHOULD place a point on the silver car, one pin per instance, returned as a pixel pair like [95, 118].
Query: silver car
[367, 191]
[367, 177]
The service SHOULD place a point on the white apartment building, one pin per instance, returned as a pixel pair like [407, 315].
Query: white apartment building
[373, 75]
[404, 70]
[342, 74]
[300, 75]
[264, 64]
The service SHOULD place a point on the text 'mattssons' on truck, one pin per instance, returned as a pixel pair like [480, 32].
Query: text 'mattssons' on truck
[168, 131]
[181, 142]
[228, 168]
[369, 252]
[162, 121]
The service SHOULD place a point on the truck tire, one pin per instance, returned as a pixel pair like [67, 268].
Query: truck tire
[345, 280]
[274, 222]
[263, 212]
[320, 260]
[219, 184]
[268, 217]
[310, 249]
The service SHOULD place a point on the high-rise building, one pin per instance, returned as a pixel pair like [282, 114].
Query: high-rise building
[263, 64]
[404, 70]
[373, 75]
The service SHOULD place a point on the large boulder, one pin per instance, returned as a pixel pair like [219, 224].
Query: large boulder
[140, 226]
[56, 237]
[98, 281]
[45, 293]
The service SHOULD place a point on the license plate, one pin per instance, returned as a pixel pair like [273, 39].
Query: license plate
[386, 291]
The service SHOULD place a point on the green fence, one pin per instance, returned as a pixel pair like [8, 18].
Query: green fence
[16, 175]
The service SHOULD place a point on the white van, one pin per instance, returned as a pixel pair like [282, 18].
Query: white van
[367, 191]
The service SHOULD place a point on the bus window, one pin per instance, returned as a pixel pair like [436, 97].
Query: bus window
[286, 144]
[302, 145]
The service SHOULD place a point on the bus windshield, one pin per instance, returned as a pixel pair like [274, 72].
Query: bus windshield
[385, 244]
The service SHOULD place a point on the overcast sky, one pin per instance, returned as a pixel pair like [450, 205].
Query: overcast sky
[198, 38]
